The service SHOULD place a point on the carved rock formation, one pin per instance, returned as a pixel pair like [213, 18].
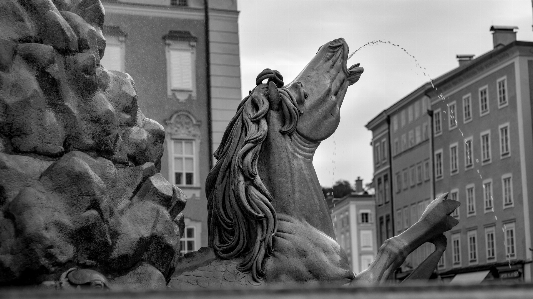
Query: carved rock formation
[79, 162]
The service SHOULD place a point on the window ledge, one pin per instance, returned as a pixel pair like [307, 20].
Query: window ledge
[503, 105]
[505, 156]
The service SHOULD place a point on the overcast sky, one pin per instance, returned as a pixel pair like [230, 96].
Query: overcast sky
[284, 35]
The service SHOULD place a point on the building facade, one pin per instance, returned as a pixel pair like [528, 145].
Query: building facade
[473, 145]
[382, 177]
[163, 45]
[355, 229]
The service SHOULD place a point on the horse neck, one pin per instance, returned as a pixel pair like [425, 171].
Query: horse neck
[286, 168]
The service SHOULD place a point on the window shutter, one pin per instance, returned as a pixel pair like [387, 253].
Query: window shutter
[181, 69]
[112, 59]
[370, 219]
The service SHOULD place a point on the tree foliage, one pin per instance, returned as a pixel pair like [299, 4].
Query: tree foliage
[342, 188]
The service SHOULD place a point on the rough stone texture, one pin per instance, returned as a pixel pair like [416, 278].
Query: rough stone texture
[79, 162]
[143, 277]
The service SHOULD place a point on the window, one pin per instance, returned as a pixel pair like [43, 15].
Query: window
[421, 208]
[366, 261]
[452, 115]
[405, 179]
[190, 241]
[502, 92]
[184, 162]
[425, 131]
[379, 195]
[442, 263]
[437, 124]
[510, 246]
[398, 182]
[182, 139]
[384, 150]
[404, 142]
[507, 190]
[410, 110]
[469, 153]
[396, 146]
[483, 100]
[386, 188]
[178, 2]
[403, 118]
[406, 217]
[490, 237]
[424, 105]
[426, 170]
[454, 195]
[181, 60]
[472, 246]
[414, 213]
[411, 138]
[395, 122]
[417, 109]
[399, 221]
[419, 173]
[115, 49]
[412, 170]
[505, 147]
[487, 195]
[467, 108]
[378, 153]
[438, 164]
[470, 200]
[365, 217]
[418, 136]
[456, 249]
[485, 147]
[454, 159]
[366, 239]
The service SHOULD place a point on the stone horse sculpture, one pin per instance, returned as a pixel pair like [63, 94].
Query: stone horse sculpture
[268, 221]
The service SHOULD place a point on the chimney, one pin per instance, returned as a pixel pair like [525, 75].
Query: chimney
[503, 35]
[359, 185]
[464, 59]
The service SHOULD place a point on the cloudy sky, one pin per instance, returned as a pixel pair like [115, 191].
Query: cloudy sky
[285, 34]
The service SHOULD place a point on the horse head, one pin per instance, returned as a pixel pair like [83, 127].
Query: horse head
[320, 89]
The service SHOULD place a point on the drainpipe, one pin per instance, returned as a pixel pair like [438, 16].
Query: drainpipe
[208, 84]
[431, 142]
[391, 173]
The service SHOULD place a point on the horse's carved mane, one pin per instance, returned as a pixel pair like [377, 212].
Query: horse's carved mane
[241, 218]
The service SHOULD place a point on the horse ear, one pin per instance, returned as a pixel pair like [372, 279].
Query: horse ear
[273, 96]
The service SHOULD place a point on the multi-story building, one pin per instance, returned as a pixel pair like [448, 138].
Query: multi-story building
[402, 199]
[480, 116]
[186, 66]
[354, 223]
[382, 176]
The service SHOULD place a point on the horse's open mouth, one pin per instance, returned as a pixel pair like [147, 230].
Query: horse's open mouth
[354, 73]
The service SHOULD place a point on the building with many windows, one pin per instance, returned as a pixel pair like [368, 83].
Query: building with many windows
[186, 69]
[354, 223]
[382, 177]
[480, 116]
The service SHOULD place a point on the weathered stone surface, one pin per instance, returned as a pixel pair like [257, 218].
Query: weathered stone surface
[15, 22]
[143, 277]
[79, 162]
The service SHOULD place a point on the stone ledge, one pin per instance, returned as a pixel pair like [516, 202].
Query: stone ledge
[434, 291]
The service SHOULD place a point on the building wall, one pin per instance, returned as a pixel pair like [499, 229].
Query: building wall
[411, 167]
[355, 234]
[145, 23]
[382, 180]
[515, 164]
